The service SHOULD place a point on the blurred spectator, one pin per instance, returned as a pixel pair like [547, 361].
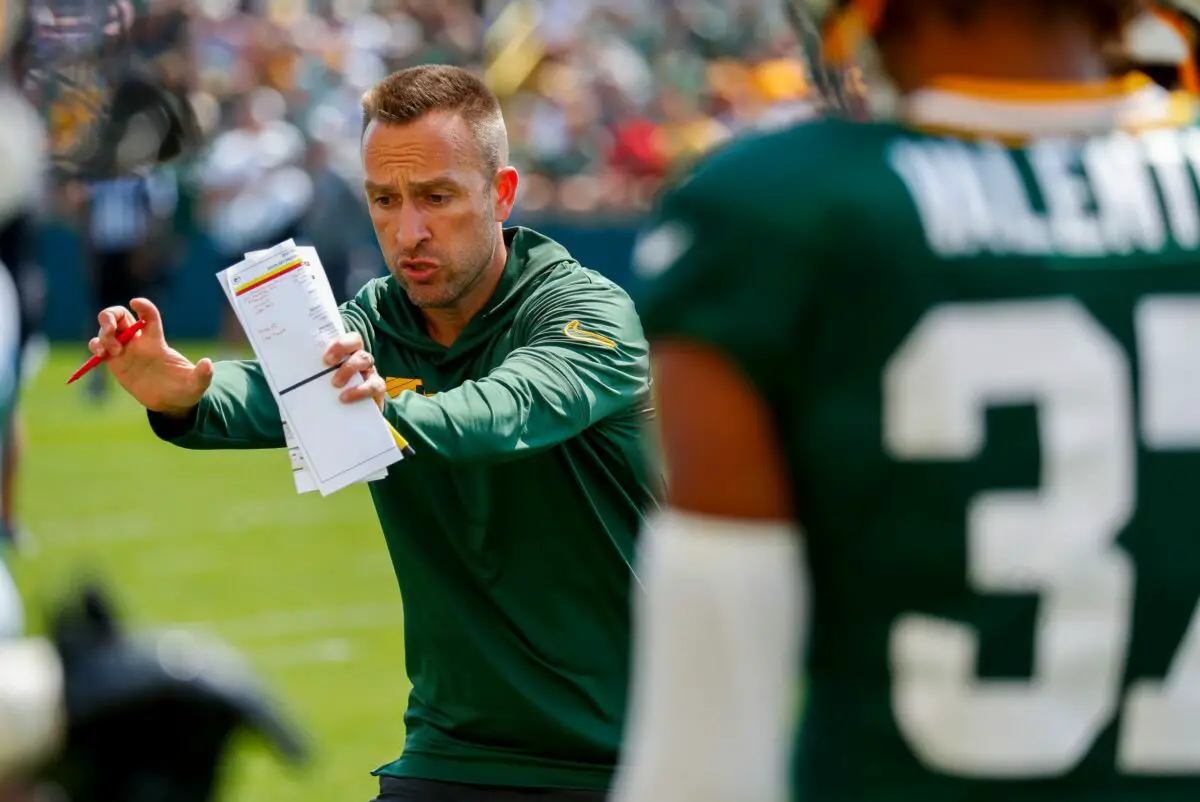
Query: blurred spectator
[256, 187]
[601, 96]
[333, 222]
[126, 228]
[687, 130]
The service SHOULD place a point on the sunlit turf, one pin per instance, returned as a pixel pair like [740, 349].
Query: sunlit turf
[221, 542]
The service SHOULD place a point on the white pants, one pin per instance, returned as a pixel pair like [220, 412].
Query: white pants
[12, 611]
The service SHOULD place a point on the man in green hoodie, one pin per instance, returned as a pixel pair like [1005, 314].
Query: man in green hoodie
[521, 379]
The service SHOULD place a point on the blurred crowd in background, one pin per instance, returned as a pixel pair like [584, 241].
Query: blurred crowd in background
[603, 98]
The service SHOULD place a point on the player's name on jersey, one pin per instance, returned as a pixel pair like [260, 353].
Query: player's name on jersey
[1118, 194]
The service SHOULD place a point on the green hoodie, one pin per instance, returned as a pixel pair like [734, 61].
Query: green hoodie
[512, 529]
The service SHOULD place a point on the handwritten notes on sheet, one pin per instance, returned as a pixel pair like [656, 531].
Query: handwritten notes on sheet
[286, 306]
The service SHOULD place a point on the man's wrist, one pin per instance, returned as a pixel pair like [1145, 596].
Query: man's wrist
[176, 413]
[172, 424]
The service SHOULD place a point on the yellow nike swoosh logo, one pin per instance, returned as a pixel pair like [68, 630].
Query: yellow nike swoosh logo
[576, 332]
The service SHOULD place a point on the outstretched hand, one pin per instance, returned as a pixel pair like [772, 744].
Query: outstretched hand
[159, 377]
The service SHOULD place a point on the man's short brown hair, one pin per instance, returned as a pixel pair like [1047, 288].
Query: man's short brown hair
[408, 95]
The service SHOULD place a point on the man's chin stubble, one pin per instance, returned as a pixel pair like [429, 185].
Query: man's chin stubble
[429, 300]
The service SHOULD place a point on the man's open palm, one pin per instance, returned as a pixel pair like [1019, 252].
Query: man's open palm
[158, 376]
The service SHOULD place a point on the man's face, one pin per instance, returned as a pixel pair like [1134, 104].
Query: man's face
[433, 206]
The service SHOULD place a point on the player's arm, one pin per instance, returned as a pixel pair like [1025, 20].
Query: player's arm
[719, 627]
[711, 712]
[582, 358]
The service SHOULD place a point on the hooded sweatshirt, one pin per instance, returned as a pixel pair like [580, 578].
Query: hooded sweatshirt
[512, 527]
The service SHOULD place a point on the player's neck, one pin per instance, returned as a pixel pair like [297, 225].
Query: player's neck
[445, 325]
[996, 54]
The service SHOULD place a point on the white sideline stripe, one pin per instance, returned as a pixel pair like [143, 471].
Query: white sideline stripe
[318, 620]
[122, 527]
[93, 528]
[304, 653]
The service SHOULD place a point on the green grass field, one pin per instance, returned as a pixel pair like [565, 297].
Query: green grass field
[220, 541]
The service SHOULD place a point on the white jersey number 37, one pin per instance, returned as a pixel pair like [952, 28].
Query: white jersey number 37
[1058, 541]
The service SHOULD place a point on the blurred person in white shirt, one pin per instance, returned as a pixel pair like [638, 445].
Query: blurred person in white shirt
[256, 189]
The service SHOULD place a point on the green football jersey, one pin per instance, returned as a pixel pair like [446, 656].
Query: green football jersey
[983, 365]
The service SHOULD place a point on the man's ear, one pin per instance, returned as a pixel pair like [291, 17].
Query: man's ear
[505, 185]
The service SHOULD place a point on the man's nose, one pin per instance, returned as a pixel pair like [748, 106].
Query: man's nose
[412, 230]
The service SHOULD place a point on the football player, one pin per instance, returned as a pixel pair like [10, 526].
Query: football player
[929, 392]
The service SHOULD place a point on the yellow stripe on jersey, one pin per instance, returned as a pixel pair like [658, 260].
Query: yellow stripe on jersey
[1056, 92]
[1014, 113]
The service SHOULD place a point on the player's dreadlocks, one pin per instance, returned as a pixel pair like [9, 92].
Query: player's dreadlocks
[837, 82]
